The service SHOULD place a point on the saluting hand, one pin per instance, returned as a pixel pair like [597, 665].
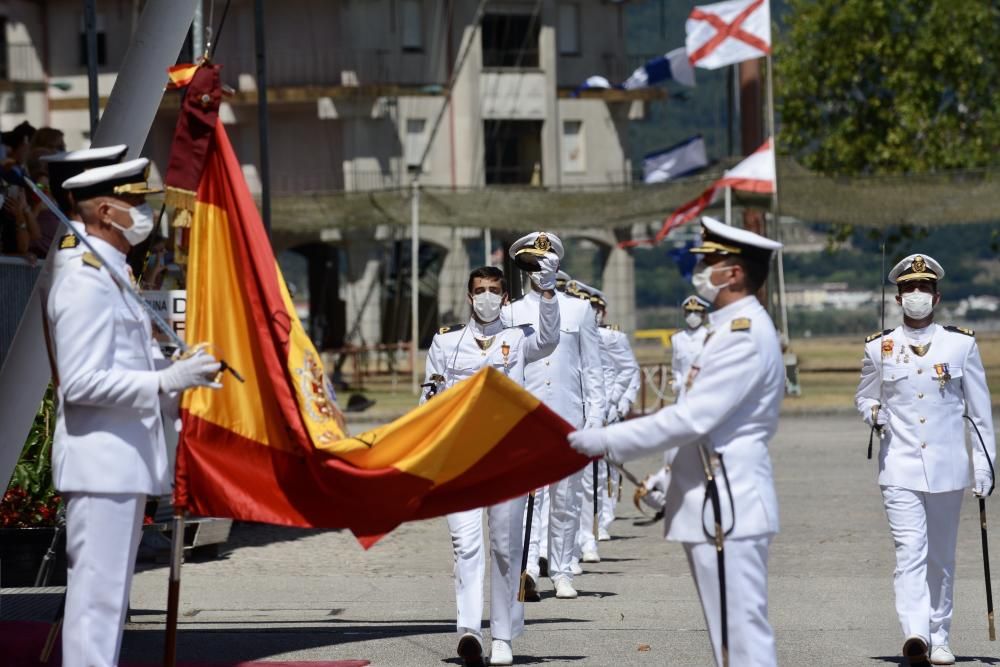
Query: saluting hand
[548, 266]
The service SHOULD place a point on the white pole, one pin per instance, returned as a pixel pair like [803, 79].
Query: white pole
[198, 33]
[775, 208]
[414, 279]
[487, 247]
[729, 205]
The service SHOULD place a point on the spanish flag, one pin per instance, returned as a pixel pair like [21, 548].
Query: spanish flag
[270, 449]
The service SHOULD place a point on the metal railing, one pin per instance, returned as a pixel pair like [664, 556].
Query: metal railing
[17, 279]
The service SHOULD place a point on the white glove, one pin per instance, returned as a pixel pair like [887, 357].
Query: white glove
[654, 498]
[198, 370]
[547, 268]
[624, 408]
[590, 442]
[983, 482]
[879, 418]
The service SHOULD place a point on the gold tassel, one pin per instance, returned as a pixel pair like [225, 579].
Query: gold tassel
[182, 218]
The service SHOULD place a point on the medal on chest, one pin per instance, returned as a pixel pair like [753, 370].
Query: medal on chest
[887, 345]
[943, 375]
[505, 351]
[484, 343]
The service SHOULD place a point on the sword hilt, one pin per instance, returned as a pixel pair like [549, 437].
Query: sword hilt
[520, 589]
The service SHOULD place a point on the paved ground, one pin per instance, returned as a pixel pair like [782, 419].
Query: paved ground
[292, 594]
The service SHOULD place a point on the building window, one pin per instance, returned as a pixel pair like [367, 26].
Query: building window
[102, 47]
[568, 34]
[416, 142]
[510, 40]
[413, 28]
[574, 158]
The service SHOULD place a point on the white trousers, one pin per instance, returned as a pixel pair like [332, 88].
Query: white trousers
[610, 501]
[563, 523]
[751, 639]
[102, 538]
[585, 538]
[506, 538]
[925, 531]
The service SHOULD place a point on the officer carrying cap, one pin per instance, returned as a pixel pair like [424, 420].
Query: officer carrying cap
[64, 166]
[695, 304]
[561, 279]
[719, 238]
[528, 250]
[916, 267]
[127, 178]
[597, 298]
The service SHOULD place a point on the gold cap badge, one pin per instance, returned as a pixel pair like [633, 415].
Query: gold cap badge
[542, 243]
[919, 266]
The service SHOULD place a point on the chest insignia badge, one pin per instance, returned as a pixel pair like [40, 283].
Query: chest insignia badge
[505, 350]
[943, 375]
[887, 344]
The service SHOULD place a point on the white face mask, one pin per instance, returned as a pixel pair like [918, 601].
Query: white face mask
[142, 223]
[918, 305]
[702, 281]
[487, 306]
[693, 320]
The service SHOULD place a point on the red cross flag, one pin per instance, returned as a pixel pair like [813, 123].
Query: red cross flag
[728, 32]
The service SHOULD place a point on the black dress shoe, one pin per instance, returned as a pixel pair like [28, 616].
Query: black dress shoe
[531, 590]
[915, 650]
[470, 650]
[543, 567]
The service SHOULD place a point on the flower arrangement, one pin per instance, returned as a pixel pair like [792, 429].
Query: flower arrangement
[31, 500]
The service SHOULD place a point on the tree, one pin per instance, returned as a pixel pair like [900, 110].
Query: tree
[890, 86]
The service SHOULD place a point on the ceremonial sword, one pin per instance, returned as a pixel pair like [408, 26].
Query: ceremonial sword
[986, 543]
[712, 495]
[126, 286]
[525, 547]
[595, 466]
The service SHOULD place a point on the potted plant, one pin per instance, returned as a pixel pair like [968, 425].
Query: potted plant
[30, 512]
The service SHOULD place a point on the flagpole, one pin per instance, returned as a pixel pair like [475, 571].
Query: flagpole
[775, 208]
[414, 279]
[487, 247]
[729, 205]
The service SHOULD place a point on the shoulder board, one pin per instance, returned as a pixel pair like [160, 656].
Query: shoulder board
[612, 327]
[740, 324]
[961, 330]
[68, 241]
[453, 327]
[878, 334]
[91, 260]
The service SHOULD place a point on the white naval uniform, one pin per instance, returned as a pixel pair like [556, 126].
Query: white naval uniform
[621, 380]
[628, 379]
[108, 450]
[730, 405]
[571, 383]
[924, 463]
[455, 355]
[685, 346]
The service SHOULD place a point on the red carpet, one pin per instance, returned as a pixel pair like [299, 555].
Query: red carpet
[22, 642]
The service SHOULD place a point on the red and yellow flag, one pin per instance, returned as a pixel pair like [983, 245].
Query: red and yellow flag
[271, 449]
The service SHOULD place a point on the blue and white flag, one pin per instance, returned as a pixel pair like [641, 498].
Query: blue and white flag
[679, 160]
[674, 65]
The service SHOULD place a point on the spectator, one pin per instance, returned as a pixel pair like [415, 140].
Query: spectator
[17, 142]
[48, 222]
[50, 138]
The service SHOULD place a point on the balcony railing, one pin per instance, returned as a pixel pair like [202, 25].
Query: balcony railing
[21, 62]
[335, 67]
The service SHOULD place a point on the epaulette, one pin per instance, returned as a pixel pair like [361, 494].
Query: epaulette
[961, 330]
[878, 334]
[453, 327]
[740, 324]
[68, 241]
[90, 259]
